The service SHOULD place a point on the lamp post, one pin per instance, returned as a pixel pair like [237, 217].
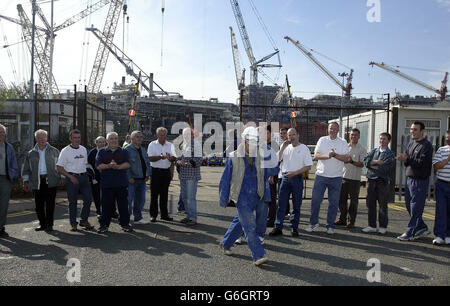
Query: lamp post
[343, 75]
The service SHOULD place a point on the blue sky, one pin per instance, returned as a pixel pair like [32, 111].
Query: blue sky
[197, 58]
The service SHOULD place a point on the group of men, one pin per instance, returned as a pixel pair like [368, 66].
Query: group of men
[115, 176]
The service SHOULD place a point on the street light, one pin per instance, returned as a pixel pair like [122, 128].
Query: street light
[343, 75]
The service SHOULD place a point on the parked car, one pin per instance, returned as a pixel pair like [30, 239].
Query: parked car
[205, 161]
[215, 160]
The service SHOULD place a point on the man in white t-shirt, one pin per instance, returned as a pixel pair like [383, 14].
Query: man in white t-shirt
[331, 153]
[297, 160]
[161, 154]
[72, 162]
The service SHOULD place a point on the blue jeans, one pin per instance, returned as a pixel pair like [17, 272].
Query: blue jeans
[252, 226]
[83, 187]
[290, 186]
[188, 196]
[136, 194]
[415, 195]
[442, 223]
[181, 207]
[321, 183]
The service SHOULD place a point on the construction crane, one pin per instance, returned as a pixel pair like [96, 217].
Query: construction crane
[43, 50]
[291, 103]
[240, 73]
[98, 69]
[346, 88]
[441, 92]
[254, 64]
[2, 84]
[141, 77]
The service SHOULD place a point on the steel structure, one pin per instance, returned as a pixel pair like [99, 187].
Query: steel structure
[347, 88]
[98, 69]
[240, 73]
[44, 50]
[2, 84]
[254, 64]
[441, 92]
[141, 77]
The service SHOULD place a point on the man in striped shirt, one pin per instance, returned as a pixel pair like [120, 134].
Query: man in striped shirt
[441, 163]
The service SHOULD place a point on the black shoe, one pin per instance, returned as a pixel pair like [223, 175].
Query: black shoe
[49, 229]
[115, 216]
[167, 218]
[153, 220]
[40, 228]
[102, 229]
[127, 229]
[3, 234]
[294, 232]
[276, 232]
[270, 224]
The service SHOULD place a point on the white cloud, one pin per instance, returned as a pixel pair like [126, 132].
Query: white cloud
[444, 3]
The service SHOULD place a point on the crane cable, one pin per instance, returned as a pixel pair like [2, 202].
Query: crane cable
[163, 8]
[9, 53]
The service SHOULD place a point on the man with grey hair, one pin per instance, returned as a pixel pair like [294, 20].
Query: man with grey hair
[161, 154]
[8, 172]
[40, 175]
[113, 163]
[138, 176]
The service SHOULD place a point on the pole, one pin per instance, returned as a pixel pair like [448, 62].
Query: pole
[85, 121]
[36, 109]
[52, 42]
[74, 107]
[32, 110]
[241, 96]
[388, 111]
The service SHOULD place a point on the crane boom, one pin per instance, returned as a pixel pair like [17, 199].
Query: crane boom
[346, 88]
[98, 69]
[42, 61]
[442, 92]
[237, 64]
[2, 84]
[141, 77]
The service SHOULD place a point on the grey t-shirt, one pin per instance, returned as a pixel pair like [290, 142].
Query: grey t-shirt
[358, 153]
[3, 159]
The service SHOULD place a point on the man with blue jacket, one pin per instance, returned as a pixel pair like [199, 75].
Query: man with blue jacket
[379, 163]
[138, 176]
[8, 172]
[245, 183]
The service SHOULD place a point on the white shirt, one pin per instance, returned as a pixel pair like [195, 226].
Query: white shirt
[296, 158]
[156, 149]
[331, 167]
[442, 154]
[73, 160]
[42, 163]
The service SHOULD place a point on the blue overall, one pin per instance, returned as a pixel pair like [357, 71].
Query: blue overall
[248, 203]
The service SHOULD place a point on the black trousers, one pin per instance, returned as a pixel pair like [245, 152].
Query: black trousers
[97, 198]
[111, 196]
[350, 189]
[273, 202]
[45, 204]
[377, 190]
[159, 188]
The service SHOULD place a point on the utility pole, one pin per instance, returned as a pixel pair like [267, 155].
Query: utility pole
[388, 110]
[343, 75]
[52, 42]
[32, 110]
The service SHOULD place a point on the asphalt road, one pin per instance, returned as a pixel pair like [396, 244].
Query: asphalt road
[172, 254]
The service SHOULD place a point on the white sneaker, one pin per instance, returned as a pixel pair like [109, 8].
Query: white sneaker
[447, 240]
[142, 221]
[438, 240]
[311, 227]
[369, 230]
[260, 261]
[382, 230]
[262, 240]
[238, 241]
[330, 231]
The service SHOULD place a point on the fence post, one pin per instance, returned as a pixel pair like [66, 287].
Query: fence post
[75, 107]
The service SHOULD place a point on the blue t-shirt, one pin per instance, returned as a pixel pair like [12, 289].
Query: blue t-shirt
[112, 178]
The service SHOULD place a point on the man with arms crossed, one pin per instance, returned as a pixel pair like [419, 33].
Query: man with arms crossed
[441, 163]
[297, 160]
[331, 152]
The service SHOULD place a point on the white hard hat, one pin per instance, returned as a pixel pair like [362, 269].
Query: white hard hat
[250, 135]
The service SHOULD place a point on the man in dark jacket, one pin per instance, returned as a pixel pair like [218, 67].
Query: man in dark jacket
[418, 161]
[379, 163]
[8, 172]
[100, 142]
